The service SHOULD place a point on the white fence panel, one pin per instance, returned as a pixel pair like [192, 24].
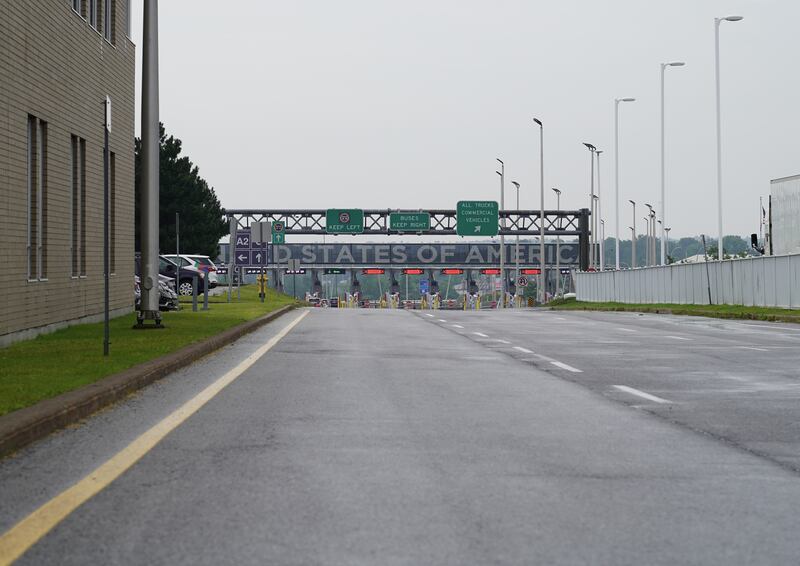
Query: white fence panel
[762, 281]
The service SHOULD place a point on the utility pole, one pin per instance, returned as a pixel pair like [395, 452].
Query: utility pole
[151, 138]
[502, 173]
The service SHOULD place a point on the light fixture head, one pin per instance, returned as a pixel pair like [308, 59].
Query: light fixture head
[500, 161]
[733, 18]
[515, 184]
[538, 121]
[558, 192]
[589, 146]
[675, 64]
[627, 99]
[633, 202]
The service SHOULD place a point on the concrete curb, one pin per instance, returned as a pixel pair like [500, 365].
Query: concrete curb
[22, 427]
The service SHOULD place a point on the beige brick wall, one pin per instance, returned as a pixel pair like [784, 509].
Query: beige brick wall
[54, 66]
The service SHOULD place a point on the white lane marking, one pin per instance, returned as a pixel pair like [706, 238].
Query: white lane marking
[427, 314]
[678, 338]
[523, 350]
[752, 348]
[562, 365]
[481, 334]
[559, 318]
[627, 329]
[457, 326]
[501, 341]
[642, 394]
[442, 320]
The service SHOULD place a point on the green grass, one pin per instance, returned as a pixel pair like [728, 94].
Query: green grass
[71, 358]
[715, 311]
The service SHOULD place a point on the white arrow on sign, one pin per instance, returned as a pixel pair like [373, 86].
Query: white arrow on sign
[242, 258]
[258, 257]
[477, 229]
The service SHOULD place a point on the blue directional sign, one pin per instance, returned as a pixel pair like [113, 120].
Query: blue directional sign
[242, 240]
[424, 286]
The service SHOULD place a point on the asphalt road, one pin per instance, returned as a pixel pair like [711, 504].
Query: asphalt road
[386, 437]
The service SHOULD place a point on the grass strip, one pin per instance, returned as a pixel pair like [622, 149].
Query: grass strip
[713, 311]
[73, 357]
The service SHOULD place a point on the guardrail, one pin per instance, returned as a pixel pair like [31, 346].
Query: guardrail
[767, 281]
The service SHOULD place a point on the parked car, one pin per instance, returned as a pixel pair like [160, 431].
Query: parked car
[201, 262]
[169, 269]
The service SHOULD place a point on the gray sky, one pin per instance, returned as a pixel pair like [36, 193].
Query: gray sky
[376, 104]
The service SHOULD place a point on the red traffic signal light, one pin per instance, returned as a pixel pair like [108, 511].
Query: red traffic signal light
[530, 271]
[413, 271]
[452, 271]
[373, 271]
[490, 271]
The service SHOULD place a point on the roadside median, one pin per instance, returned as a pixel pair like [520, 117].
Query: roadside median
[713, 311]
[59, 379]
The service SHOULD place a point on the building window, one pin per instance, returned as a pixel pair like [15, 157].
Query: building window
[108, 14]
[76, 5]
[37, 199]
[78, 206]
[112, 213]
[128, 19]
[82, 238]
[93, 13]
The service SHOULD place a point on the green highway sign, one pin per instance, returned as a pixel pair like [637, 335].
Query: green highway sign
[409, 221]
[477, 218]
[278, 233]
[344, 221]
[335, 271]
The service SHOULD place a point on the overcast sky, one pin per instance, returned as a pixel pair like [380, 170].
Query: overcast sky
[377, 104]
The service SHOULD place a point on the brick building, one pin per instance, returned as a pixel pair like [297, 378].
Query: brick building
[59, 59]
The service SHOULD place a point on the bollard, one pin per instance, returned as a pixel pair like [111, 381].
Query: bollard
[194, 293]
[205, 297]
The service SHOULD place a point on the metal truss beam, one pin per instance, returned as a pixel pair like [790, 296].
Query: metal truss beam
[443, 222]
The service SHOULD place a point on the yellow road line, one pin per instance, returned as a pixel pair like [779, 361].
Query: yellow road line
[22, 536]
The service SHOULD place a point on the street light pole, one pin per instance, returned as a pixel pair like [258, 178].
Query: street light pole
[593, 236]
[542, 259]
[666, 230]
[558, 245]
[717, 22]
[649, 260]
[516, 245]
[616, 170]
[633, 240]
[150, 167]
[663, 182]
[601, 250]
[502, 174]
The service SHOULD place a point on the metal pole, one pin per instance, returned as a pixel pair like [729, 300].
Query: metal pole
[558, 245]
[601, 249]
[663, 190]
[720, 251]
[106, 243]
[150, 164]
[178, 257]
[516, 246]
[616, 179]
[592, 206]
[616, 169]
[502, 174]
[542, 259]
[633, 240]
[717, 22]
[231, 254]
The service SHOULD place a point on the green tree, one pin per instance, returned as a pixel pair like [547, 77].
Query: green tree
[183, 190]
